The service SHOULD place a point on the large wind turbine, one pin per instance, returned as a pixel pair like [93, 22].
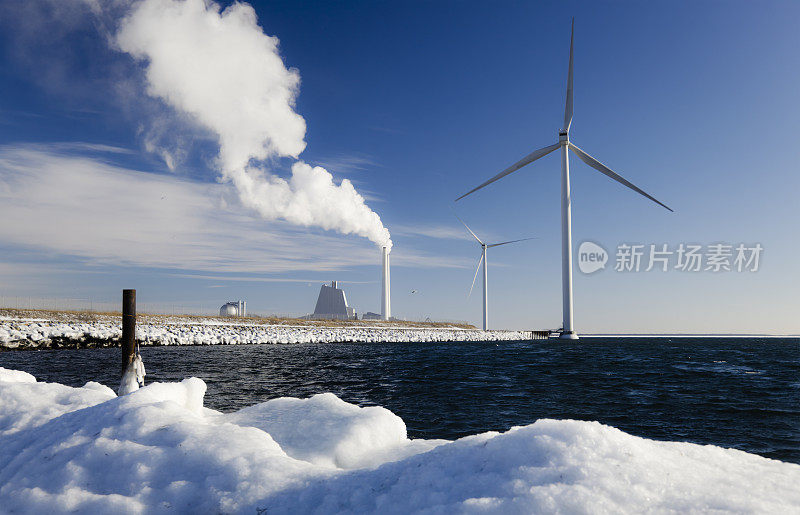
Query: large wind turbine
[564, 144]
[485, 246]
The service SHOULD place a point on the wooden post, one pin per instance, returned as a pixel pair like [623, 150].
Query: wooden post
[128, 342]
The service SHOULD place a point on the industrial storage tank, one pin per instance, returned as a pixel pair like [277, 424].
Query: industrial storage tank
[233, 309]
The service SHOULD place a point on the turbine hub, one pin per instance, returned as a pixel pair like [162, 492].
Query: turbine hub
[563, 137]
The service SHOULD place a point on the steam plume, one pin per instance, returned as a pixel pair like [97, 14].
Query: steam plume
[219, 67]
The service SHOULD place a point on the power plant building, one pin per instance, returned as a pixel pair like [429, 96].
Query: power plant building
[332, 304]
[233, 309]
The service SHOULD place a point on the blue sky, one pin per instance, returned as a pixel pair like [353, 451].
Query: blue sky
[416, 103]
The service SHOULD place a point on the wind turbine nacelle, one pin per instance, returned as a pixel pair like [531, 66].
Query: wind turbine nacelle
[563, 137]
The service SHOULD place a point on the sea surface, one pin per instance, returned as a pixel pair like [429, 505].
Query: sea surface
[742, 393]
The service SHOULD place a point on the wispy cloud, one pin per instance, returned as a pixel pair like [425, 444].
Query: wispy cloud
[346, 164]
[79, 147]
[441, 232]
[11, 117]
[387, 130]
[259, 279]
[82, 207]
[413, 259]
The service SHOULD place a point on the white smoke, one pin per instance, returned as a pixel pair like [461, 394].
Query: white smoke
[219, 67]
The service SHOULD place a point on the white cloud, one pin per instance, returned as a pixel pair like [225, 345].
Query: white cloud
[81, 147]
[347, 163]
[259, 279]
[439, 232]
[81, 206]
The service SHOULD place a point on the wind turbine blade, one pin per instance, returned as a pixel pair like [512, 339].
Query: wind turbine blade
[470, 230]
[476, 275]
[507, 242]
[600, 167]
[533, 156]
[568, 108]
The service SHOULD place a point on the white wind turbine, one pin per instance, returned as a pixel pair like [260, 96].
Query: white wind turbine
[565, 144]
[485, 246]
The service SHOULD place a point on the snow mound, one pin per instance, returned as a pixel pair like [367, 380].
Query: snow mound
[27, 404]
[327, 431]
[15, 376]
[558, 466]
[84, 450]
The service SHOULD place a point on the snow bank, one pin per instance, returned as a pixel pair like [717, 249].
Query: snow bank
[558, 466]
[326, 431]
[15, 376]
[33, 334]
[25, 404]
[158, 450]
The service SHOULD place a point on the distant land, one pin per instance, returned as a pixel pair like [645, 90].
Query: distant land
[39, 329]
[689, 335]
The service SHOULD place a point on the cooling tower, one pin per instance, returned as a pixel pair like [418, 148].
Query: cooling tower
[386, 299]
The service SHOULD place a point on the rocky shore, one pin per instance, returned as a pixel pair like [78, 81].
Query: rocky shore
[60, 330]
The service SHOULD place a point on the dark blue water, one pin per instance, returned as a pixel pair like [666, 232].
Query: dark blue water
[732, 392]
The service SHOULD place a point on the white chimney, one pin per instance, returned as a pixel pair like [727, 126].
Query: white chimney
[388, 285]
[386, 302]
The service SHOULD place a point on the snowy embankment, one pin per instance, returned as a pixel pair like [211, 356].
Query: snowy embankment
[40, 333]
[85, 450]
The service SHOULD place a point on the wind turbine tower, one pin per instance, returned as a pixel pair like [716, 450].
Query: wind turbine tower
[483, 260]
[568, 330]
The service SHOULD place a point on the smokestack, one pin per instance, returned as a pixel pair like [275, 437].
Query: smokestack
[389, 284]
[386, 302]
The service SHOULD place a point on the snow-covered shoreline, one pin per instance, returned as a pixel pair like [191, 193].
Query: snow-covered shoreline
[40, 333]
[159, 450]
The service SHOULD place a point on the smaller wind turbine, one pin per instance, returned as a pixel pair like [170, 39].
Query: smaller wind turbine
[485, 246]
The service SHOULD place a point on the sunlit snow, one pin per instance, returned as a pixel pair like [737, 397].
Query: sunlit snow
[85, 450]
